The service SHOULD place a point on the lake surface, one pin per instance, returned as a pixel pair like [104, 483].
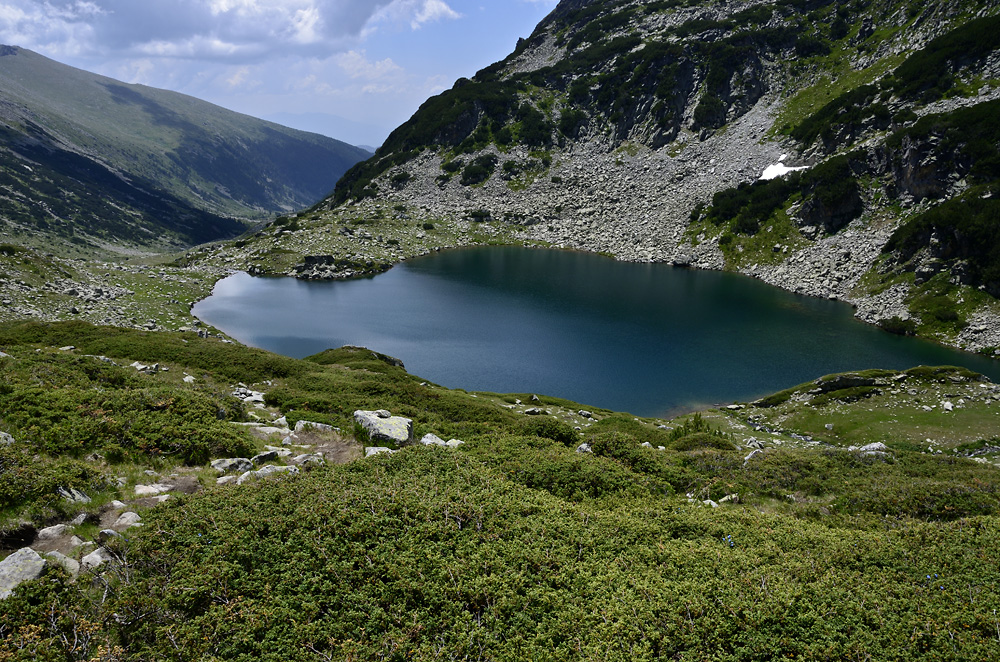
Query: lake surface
[650, 339]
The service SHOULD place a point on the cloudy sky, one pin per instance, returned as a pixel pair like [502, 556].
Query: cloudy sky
[352, 69]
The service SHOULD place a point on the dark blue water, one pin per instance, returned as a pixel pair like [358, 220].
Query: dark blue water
[644, 338]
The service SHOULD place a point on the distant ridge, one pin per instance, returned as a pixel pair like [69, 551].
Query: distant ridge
[94, 160]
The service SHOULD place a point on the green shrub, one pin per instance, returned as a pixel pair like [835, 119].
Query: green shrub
[550, 428]
[898, 326]
[479, 170]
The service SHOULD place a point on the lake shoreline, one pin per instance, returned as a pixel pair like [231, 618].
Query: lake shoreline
[644, 291]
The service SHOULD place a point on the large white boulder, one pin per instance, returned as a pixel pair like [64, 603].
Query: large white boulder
[383, 426]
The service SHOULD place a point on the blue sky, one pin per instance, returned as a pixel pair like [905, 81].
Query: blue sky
[352, 69]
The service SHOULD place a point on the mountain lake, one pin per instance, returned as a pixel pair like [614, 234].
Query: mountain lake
[650, 339]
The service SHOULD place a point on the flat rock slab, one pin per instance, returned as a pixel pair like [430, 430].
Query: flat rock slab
[22, 566]
[151, 490]
[382, 426]
[310, 426]
[264, 432]
[53, 532]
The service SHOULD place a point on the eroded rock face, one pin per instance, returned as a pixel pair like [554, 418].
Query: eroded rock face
[22, 566]
[381, 426]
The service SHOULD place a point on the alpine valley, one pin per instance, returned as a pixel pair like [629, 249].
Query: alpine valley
[169, 494]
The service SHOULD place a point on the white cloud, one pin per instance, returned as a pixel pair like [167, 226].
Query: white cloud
[234, 30]
[415, 12]
[356, 65]
[432, 10]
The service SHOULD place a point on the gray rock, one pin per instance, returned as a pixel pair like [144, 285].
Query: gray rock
[151, 490]
[73, 495]
[261, 458]
[265, 471]
[22, 566]
[127, 520]
[232, 465]
[6, 438]
[393, 429]
[534, 411]
[585, 414]
[877, 450]
[52, 532]
[71, 566]
[302, 426]
[96, 559]
[104, 535]
[584, 448]
[265, 431]
[377, 450]
[309, 459]
[224, 480]
[431, 439]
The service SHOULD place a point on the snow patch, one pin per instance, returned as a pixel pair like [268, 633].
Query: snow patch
[779, 170]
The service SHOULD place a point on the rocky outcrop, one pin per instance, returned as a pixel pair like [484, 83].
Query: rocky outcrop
[232, 465]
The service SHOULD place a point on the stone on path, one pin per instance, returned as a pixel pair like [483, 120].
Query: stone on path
[304, 426]
[127, 520]
[151, 490]
[52, 532]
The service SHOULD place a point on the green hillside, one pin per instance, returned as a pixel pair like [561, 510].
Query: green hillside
[689, 539]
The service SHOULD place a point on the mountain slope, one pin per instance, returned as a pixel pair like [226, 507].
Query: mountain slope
[85, 154]
[617, 126]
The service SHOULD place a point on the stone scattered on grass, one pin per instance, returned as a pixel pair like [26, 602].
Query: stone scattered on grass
[22, 566]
